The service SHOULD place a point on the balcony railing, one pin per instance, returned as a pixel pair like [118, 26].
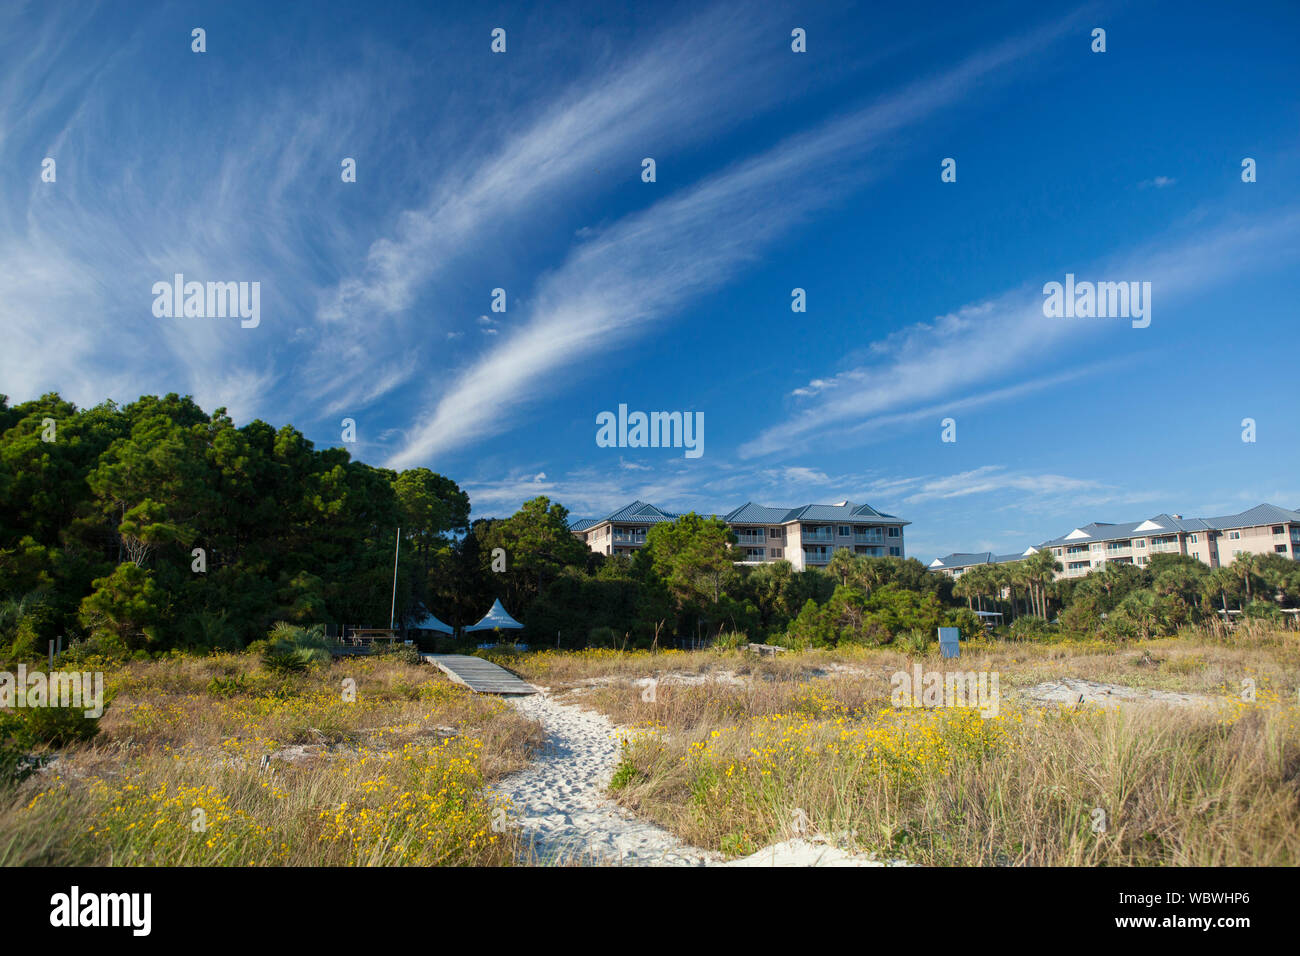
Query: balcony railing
[817, 555]
[821, 534]
[629, 539]
[759, 538]
[868, 537]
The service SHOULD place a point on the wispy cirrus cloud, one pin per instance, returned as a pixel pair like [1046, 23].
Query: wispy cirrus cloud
[610, 116]
[982, 343]
[639, 269]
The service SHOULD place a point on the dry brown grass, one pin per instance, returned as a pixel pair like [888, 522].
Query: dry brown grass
[396, 775]
[732, 763]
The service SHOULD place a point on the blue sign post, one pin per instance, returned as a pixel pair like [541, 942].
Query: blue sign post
[948, 637]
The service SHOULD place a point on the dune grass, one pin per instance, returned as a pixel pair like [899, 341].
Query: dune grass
[809, 743]
[220, 761]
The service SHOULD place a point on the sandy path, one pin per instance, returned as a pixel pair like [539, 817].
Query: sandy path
[560, 800]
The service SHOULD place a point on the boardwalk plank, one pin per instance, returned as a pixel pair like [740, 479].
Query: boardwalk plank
[480, 676]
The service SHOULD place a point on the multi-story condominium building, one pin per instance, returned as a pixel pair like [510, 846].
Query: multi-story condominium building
[806, 536]
[1264, 529]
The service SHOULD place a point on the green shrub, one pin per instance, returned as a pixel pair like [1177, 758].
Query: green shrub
[290, 647]
[1030, 628]
[913, 641]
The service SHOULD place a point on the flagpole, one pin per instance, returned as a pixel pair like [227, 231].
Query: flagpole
[392, 610]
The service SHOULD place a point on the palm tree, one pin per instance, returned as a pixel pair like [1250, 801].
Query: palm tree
[1006, 578]
[1041, 568]
[1245, 566]
[1019, 576]
[1217, 584]
[963, 587]
[843, 564]
[981, 581]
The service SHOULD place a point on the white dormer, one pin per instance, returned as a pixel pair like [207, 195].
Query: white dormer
[1030, 550]
[1076, 534]
[936, 563]
[1149, 525]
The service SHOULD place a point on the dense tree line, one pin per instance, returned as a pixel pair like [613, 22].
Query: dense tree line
[155, 525]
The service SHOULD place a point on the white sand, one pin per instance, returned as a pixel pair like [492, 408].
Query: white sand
[560, 802]
[1073, 691]
[810, 852]
[560, 799]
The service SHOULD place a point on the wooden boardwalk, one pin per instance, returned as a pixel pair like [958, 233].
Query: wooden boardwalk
[480, 676]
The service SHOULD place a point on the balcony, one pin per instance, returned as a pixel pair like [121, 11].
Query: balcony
[756, 538]
[826, 535]
[816, 555]
[868, 537]
[629, 538]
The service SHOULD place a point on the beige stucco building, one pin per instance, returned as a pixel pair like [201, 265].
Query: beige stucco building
[805, 536]
[1264, 529]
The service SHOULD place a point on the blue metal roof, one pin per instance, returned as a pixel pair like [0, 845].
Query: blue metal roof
[1161, 524]
[970, 559]
[844, 511]
[1260, 514]
[750, 513]
[640, 512]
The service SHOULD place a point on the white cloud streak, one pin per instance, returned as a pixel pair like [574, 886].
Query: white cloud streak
[644, 266]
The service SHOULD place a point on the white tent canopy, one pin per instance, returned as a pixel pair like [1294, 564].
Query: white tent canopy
[427, 622]
[495, 619]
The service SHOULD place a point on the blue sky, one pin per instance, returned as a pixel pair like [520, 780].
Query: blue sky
[775, 170]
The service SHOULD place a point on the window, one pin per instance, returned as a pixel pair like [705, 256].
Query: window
[777, 552]
[1233, 536]
[775, 533]
[896, 552]
[844, 531]
[895, 532]
[1280, 548]
[1191, 538]
[1142, 559]
[1140, 543]
[1277, 529]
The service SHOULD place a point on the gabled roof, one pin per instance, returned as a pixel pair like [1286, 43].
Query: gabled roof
[970, 559]
[1260, 514]
[640, 512]
[750, 513]
[1169, 524]
[1161, 524]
